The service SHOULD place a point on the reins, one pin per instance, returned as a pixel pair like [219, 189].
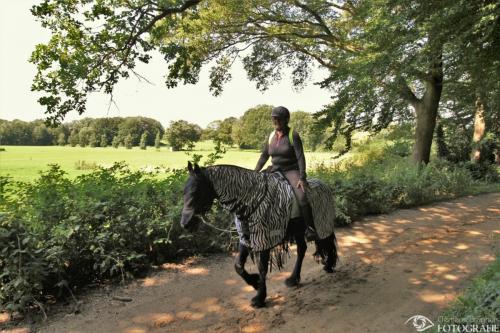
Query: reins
[212, 226]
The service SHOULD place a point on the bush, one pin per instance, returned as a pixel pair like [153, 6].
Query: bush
[400, 148]
[482, 171]
[380, 181]
[23, 265]
[110, 223]
[84, 165]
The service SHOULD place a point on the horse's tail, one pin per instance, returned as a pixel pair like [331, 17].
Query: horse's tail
[335, 253]
[326, 251]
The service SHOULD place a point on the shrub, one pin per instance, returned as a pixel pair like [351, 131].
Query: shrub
[400, 148]
[110, 223]
[382, 182]
[23, 266]
[84, 165]
[482, 171]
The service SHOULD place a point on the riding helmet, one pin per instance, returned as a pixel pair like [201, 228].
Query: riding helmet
[280, 112]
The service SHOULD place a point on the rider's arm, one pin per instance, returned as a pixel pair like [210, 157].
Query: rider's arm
[264, 156]
[299, 152]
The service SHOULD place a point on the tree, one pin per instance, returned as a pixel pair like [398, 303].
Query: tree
[209, 132]
[474, 70]
[303, 123]
[93, 140]
[386, 59]
[128, 142]
[16, 132]
[116, 142]
[255, 126]
[106, 127]
[136, 126]
[73, 139]
[157, 140]
[61, 140]
[40, 135]
[84, 136]
[86, 132]
[220, 131]
[103, 142]
[93, 56]
[223, 133]
[142, 144]
[181, 133]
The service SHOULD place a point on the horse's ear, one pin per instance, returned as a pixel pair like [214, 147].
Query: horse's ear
[190, 167]
[196, 168]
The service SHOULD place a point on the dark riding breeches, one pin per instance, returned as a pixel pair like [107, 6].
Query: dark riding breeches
[293, 177]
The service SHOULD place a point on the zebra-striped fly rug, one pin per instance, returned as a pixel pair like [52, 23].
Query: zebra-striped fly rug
[263, 203]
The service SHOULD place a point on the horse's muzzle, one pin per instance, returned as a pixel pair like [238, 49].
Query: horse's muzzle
[189, 220]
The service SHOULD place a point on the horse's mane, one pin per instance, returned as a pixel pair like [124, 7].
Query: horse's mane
[231, 166]
[240, 170]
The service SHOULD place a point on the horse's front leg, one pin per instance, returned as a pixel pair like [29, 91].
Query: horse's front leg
[294, 278]
[239, 267]
[259, 300]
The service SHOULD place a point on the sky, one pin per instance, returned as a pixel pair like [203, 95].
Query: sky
[19, 33]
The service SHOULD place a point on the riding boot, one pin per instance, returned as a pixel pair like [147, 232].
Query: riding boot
[311, 233]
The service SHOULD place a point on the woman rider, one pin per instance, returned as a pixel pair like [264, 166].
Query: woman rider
[288, 158]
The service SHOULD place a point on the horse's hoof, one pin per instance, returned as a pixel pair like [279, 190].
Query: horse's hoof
[328, 269]
[258, 303]
[253, 280]
[292, 282]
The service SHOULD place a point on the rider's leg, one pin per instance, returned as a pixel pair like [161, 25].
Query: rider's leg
[304, 205]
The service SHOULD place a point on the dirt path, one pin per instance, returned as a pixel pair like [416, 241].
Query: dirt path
[392, 267]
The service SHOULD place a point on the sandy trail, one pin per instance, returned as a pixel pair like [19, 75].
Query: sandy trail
[394, 266]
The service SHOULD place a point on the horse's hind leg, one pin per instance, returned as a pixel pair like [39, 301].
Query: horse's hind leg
[239, 267]
[294, 278]
[332, 256]
[259, 300]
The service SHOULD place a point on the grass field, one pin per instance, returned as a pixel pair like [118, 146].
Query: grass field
[25, 162]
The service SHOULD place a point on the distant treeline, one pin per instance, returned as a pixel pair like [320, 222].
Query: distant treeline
[248, 132]
[100, 132]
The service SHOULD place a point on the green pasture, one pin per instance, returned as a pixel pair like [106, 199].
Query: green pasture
[25, 162]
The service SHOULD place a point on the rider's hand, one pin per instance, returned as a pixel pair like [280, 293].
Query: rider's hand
[302, 185]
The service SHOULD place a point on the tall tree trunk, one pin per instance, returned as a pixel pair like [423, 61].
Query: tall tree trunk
[479, 130]
[426, 110]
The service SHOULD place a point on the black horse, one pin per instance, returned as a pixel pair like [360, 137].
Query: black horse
[230, 185]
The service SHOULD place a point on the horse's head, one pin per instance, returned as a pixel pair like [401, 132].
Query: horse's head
[199, 196]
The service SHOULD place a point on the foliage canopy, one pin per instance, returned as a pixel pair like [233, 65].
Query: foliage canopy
[387, 60]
